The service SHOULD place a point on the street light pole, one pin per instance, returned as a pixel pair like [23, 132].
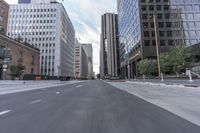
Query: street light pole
[157, 45]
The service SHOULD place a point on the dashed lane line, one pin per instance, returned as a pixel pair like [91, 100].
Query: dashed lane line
[37, 101]
[4, 112]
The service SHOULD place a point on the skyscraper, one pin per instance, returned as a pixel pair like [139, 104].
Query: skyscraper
[89, 52]
[48, 27]
[109, 54]
[177, 23]
[81, 62]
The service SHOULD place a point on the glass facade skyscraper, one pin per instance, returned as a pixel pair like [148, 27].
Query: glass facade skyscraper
[177, 23]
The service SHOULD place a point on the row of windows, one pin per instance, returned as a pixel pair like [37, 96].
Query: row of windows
[167, 7]
[45, 27]
[46, 57]
[162, 33]
[32, 15]
[11, 33]
[44, 71]
[32, 10]
[152, 1]
[44, 45]
[162, 42]
[155, 7]
[48, 51]
[172, 25]
[173, 16]
[177, 33]
[34, 22]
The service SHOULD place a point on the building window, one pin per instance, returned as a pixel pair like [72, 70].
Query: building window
[20, 56]
[32, 59]
[144, 8]
[32, 71]
[170, 42]
[146, 33]
[169, 33]
[145, 25]
[151, 7]
[147, 42]
[154, 42]
[168, 24]
[162, 42]
[160, 24]
[153, 33]
[159, 7]
[161, 33]
[144, 16]
[159, 16]
[166, 7]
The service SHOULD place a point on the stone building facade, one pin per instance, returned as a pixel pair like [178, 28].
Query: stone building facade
[19, 53]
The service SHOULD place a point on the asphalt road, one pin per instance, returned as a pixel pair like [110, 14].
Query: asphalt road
[88, 107]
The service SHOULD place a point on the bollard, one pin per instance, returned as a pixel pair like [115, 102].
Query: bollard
[135, 78]
[162, 77]
[190, 76]
[144, 77]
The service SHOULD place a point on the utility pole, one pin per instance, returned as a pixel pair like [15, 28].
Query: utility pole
[157, 44]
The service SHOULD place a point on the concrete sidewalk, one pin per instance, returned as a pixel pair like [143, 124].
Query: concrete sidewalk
[7, 87]
[182, 101]
[169, 82]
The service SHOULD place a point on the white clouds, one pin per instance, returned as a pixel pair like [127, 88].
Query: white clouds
[11, 1]
[88, 21]
[86, 18]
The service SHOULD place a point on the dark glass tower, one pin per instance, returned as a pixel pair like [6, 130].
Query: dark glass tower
[24, 1]
[109, 54]
[177, 23]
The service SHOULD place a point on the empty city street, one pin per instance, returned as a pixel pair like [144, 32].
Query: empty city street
[86, 107]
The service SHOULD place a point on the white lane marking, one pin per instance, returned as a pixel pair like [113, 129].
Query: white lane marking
[57, 93]
[79, 86]
[5, 112]
[35, 101]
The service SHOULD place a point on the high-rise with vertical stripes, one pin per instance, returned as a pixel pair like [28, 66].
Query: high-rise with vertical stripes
[47, 26]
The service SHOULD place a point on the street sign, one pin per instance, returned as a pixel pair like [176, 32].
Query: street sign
[5, 66]
[187, 72]
[4, 70]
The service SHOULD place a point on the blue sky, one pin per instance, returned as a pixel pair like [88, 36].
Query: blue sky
[86, 18]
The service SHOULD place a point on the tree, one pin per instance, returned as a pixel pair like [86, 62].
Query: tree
[147, 66]
[165, 63]
[17, 71]
[180, 58]
[176, 60]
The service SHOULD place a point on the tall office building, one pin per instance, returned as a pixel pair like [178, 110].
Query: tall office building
[89, 52]
[109, 54]
[48, 27]
[81, 62]
[177, 23]
[4, 8]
